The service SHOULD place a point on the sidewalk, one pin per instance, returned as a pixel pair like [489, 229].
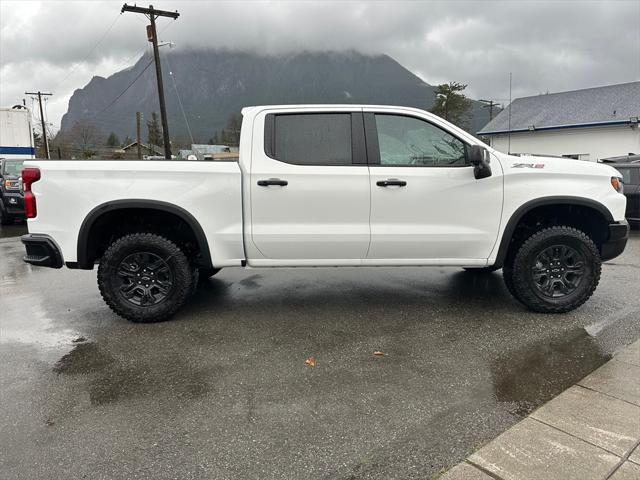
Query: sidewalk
[590, 431]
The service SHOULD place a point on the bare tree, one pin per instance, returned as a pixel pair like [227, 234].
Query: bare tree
[85, 137]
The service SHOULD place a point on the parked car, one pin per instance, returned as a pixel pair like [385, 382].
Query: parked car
[630, 158]
[326, 186]
[11, 200]
[631, 180]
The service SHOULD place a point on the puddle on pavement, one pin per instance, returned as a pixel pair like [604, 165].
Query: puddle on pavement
[122, 383]
[84, 357]
[530, 377]
[110, 381]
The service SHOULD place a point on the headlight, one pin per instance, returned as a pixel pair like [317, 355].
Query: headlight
[12, 184]
[616, 183]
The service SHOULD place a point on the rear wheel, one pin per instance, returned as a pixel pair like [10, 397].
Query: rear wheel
[556, 270]
[144, 277]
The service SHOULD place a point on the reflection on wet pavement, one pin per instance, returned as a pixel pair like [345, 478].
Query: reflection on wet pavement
[523, 377]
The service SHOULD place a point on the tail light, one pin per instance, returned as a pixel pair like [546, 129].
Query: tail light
[29, 176]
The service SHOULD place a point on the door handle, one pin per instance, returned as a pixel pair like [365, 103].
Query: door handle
[273, 181]
[392, 182]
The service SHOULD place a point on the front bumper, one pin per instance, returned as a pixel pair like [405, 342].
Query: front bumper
[41, 251]
[614, 246]
[13, 204]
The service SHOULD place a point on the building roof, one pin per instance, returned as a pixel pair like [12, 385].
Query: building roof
[610, 105]
[148, 147]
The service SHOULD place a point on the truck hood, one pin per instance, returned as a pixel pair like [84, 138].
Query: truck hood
[536, 165]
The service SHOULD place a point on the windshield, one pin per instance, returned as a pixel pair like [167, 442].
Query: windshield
[12, 167]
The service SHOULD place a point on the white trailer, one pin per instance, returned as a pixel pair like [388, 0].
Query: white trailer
[16, 133]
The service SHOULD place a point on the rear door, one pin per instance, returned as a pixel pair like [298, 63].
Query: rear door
[426, 205]
[309, 185]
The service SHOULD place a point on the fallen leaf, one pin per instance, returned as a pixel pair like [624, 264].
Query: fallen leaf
[378, 353]
[311, 362]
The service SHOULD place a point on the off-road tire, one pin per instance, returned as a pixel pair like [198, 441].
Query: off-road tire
[520, 277]
[507, 276]
[169, 252]
[206, 273]
[195, 281]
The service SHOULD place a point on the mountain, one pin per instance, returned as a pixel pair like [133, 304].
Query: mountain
[214, 84]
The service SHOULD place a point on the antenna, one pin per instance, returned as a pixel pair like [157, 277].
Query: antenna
[509, 134]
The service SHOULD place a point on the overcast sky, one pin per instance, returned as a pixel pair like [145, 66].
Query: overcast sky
[57, 46]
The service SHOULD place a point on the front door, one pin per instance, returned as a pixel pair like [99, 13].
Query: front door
[309, 186]
[425, 202]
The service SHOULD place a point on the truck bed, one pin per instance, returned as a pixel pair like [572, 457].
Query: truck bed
[69, 190]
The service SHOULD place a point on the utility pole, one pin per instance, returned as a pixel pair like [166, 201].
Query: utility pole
[489, 104]
[44, 128]
[138, 139]
[152, 36]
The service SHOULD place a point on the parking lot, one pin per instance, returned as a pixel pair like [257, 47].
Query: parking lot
[224, 391]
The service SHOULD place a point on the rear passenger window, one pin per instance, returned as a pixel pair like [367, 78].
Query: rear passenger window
[312, 139]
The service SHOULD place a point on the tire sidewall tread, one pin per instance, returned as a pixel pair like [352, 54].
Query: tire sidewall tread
[519, 271]
[172, 254]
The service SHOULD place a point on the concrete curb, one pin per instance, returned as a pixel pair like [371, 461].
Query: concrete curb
[589, 431]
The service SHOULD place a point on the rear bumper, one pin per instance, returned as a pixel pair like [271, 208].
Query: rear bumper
[41, 251]
[614, 246]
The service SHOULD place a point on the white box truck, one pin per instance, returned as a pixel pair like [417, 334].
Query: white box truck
[16, 133]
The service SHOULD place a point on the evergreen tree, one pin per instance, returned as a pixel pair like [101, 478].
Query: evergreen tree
[232, 130]
[113, 140]
[450, 104]
[154, 135]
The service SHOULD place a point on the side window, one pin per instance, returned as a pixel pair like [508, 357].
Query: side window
[626, 175]
[409, 141]
[311, 139]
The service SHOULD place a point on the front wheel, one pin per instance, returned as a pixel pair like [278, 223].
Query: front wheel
[556, 270]
[144, 277]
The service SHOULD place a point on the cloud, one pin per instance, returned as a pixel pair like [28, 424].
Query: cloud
[548, 45]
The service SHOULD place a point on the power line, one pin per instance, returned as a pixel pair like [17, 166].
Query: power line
[125, 90]
[175, 88]
[104, 35]
[44, 128]
[152, 36]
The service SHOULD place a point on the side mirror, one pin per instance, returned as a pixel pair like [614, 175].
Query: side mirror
[479, 158]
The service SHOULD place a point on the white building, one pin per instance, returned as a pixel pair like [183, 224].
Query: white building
[588, 124]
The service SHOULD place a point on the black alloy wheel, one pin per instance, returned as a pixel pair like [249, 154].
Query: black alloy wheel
[145, 278]
[555, 270]
[558, 271]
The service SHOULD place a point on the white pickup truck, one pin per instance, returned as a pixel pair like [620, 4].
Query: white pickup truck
[328, 185]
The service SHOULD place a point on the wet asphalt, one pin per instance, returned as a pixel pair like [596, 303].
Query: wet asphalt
[223, 390]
